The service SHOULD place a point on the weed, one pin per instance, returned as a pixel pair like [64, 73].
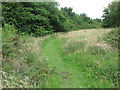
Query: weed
[30, 57]
[97, 50]
[112, 37]
[21, 65]
[71, 46]
[30, 68]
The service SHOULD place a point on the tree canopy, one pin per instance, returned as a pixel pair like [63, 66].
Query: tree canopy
[41, 18]
[111, 15]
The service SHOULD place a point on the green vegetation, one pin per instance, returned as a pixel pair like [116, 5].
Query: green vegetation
[97, 50]
[56, 62]
[44, 18]
[80, 66]
[21, 63]
[111, 20]
[111, 15]
[75, 59]
[113, 37]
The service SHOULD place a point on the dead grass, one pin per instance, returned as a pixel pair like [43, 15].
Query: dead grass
[89, 36]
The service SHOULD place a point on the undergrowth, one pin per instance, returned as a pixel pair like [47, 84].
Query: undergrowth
[93, 67]
[113, 37]
[21, 66]
[60, 63]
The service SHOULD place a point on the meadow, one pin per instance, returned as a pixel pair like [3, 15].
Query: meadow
[81, 59]
[76, 59]
[44, 46]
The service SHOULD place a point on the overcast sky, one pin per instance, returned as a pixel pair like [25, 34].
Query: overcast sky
[93, 8]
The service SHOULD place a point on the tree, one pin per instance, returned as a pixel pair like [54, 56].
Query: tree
[28, 17]
[42, 18]
[110, 16]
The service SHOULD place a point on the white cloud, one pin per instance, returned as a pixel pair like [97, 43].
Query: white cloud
[93, 8]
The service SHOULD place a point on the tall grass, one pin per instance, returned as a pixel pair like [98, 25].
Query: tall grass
[94, 67]
[98, 66]
[21, 65]
[58, 62]
[76, 65]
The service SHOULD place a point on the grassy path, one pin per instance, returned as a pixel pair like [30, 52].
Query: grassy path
[73, 71]
[53, 54]
[65, 73]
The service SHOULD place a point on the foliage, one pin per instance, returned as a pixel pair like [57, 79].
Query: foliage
[26, 64]
[81, 21]
[28, 17]
[10, 40]
[111, 15]
[113, 37]
[26, 67]
[21, 65]
[42, 18]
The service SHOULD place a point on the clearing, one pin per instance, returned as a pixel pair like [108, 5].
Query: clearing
[80, 59]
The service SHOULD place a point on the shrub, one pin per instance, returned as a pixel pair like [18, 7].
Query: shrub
[112, 37]
[42, 32]
[20, 65]
[10, 42]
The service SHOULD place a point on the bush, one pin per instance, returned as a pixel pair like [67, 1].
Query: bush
[42, 32]
[21, 66]
[10, 42]
[113, 37]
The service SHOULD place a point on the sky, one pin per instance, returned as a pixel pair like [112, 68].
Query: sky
[93, 8]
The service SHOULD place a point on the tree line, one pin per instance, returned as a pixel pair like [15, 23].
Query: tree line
[111, 15]
[42, 18]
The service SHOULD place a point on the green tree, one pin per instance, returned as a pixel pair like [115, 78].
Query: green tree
[42, 18]
[110, 16]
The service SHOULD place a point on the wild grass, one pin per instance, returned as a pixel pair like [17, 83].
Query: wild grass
[72, 46]
[84, 61]
[21, 63]
[97, 71]
[71, 60]
[97, 50]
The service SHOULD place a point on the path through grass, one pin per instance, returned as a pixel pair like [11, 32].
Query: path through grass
[79, 67]
[64, 72]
